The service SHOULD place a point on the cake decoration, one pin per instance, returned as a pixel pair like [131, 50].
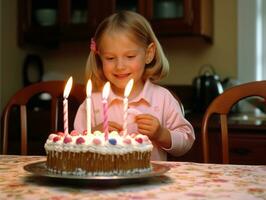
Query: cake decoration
[56, 138]
[88, 105]
[105, 94]
[127, 91]
[127, 141]
[96, 141]
[139, 140]
[112, 141]
[51, 136]
[74, 133]
[84, 132]
[60, 133]
[67, 139]
[80, 140]
[65, 103]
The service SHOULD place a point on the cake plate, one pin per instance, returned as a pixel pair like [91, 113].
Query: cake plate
[39, 169]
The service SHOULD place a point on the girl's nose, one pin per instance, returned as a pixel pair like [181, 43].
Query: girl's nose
[120, 64]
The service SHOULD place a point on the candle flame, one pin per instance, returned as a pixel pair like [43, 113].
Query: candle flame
[89, 88]
[106, 90]
[128, 87]
[68, 87]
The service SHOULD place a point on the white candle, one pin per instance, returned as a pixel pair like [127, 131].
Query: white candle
[65, 103]
[88, 105]
[105, 95]
[126, 94]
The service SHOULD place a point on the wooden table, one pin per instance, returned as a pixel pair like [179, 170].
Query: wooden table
[183, 181]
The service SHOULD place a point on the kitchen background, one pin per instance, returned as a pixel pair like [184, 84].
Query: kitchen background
[235, 52]
[185, 53]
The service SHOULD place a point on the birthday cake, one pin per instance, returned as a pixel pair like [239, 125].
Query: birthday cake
[95, 155]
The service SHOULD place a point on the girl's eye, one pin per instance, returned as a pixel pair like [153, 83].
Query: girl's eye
[131, 56]
[109, 58]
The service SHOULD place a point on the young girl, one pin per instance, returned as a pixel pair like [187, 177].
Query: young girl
[125, 47]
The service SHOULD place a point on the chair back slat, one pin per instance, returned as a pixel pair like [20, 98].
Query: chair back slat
[222, 105]
[5, 118]
[224, 130]
[23, 125]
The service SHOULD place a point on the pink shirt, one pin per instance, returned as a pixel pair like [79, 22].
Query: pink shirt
[154, 100]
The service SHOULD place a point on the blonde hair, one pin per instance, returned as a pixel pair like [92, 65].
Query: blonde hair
[137, 26]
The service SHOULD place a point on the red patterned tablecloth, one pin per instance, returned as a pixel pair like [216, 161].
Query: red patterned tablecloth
[184, 180]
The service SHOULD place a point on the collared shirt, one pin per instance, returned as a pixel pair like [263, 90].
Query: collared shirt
[154, 100]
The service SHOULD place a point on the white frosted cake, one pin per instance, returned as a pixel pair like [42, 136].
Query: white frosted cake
[92, 154]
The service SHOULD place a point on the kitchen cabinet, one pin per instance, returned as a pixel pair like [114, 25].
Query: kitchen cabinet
[53, 21]
[47, 23]
[181, 17]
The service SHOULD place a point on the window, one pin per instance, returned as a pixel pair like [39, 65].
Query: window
[251, 43]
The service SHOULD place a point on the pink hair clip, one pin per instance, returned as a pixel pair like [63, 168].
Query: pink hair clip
[93, 45]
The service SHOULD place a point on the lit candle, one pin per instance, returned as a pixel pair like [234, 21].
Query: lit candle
[88, 105]
[105, 95]
[126, 94]
[65, 103]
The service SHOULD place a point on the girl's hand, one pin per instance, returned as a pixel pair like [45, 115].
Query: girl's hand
[150, 126]
[112, 126]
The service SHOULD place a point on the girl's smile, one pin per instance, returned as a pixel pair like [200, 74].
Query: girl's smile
[122, 76]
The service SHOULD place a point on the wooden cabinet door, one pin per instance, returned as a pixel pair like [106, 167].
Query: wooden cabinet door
[38, 22]
[181, 17]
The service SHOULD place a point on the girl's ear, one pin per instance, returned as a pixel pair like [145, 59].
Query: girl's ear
[150, 53]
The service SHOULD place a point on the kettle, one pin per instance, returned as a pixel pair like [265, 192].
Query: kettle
[206, 86]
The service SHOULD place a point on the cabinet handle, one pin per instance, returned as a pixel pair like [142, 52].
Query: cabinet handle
[240, 151]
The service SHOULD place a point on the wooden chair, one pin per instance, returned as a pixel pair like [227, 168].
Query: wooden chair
[23, 96]
[222, 105]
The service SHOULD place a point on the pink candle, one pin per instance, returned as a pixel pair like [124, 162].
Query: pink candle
[65, 113]
[105, 95]
[88, 105]
[65, 103]
[126, 94]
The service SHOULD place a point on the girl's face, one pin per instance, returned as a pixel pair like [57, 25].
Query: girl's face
[123, 59]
